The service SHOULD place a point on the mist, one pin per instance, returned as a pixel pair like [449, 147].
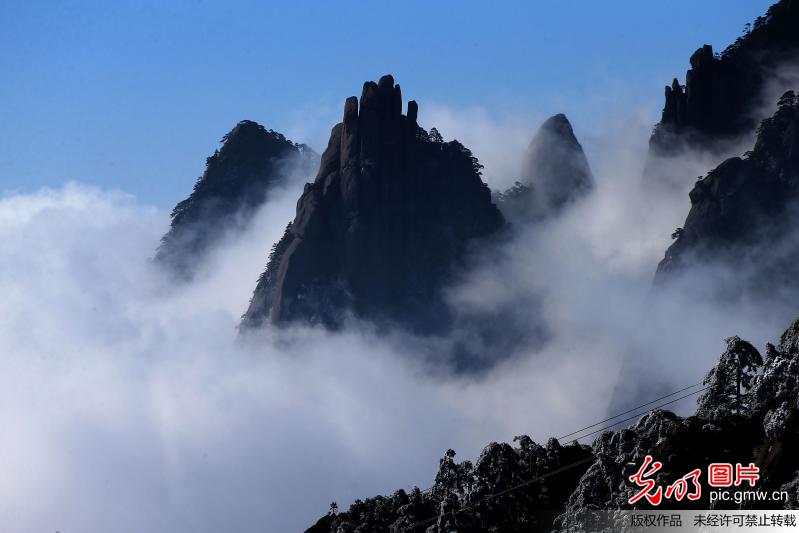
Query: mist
[129, 403]
[591, 270]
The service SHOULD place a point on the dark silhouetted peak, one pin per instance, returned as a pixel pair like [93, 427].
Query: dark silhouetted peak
[555, 165]
[725, 94]
[555, 172]
[743, 213]
[557, 125]
[383, 228]
[237, 180]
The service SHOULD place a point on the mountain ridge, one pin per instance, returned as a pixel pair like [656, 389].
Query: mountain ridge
[237, 180]
[745, 208]
[725, 95]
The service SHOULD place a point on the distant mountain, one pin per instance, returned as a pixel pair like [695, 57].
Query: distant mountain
[748, 413]
[555, 173]
[726, 95]
[383, 229]
[237, 180]
[744, 214]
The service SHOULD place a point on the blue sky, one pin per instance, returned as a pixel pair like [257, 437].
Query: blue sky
[135, 95]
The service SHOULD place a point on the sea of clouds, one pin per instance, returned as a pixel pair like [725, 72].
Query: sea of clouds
[129, 402]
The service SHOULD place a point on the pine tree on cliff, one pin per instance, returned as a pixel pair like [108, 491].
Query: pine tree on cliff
[729, 381]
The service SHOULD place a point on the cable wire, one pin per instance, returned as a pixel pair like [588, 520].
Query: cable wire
[570, 465]
[629, 411]
[639, 414]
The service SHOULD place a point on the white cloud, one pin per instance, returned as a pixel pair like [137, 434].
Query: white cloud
[498, 142]
[129, 404]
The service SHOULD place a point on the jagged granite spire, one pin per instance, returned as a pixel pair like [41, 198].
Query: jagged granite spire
[555, 172]
[237, 180]
[743, 213]
[723, 96]
[555, 164]
[384, 226]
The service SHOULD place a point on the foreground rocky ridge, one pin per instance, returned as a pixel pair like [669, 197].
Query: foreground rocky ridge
[527, 487]
[460, 496]
[757, 423]
[238, 179]
[725, 94]
[383, 229]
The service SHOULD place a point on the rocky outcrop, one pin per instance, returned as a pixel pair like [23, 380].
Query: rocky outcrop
[762, 429]
[462, 497]
[749, 413]
[743, 213]
[383, 229]
[724, 94]
[555, 173]
[237, 180]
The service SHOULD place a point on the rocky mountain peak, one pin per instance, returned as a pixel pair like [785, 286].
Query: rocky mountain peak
[383, 229]
[725, 95]
[557, 124]
[238, 177]
[556, 166]
[555, 172]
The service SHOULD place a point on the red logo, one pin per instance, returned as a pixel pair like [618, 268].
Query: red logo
[718, 474]
[650, 491]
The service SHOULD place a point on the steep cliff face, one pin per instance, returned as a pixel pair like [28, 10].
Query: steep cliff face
[555, 173]
[237, 180]
[723, 95]
[744, 211]
[748, 413]
[383, 228]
